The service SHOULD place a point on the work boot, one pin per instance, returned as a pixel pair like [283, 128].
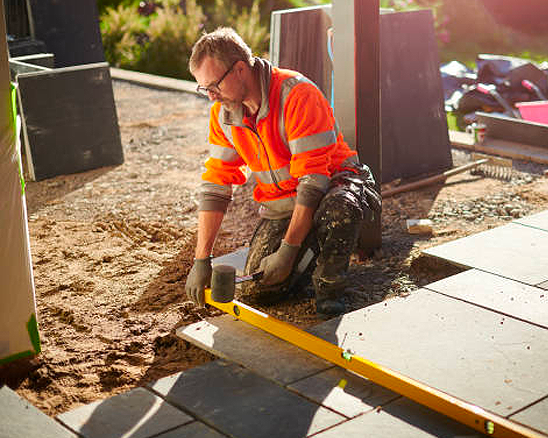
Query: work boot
[329, 297]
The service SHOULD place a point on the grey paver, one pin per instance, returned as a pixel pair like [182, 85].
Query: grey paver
[137, 414]
[236, 259]
[514, 251]
[539, 220]
[240, 403]
[535, 416]
[400, 419]
[485, 358]
[18, 418]
[498, 293]
[345, 393]
[192, 430]
[253, 348]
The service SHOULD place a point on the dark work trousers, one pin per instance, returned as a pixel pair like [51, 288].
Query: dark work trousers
[325, 253]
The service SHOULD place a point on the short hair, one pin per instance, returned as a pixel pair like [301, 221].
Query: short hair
[223, 44]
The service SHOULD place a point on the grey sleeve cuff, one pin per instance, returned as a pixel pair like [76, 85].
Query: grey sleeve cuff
[214, 197]
[309, 196]
[210, 202]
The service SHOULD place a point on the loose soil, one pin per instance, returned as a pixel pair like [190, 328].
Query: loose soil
[111, 249]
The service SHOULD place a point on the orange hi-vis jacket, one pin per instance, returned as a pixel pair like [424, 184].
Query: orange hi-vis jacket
[292, 149]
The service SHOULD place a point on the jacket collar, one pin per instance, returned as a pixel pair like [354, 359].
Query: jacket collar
[263, 69]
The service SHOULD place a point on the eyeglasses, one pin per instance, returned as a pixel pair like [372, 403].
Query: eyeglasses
[214, 88]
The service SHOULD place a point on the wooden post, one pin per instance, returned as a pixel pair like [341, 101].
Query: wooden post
[357, 91]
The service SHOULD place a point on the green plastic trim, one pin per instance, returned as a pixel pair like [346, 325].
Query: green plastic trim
[32, 329]
[347, 355]
[34, 335]
[13, 95]
[13, 91]
[16, 356]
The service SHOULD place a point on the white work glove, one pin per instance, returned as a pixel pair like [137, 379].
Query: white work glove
[277, 266]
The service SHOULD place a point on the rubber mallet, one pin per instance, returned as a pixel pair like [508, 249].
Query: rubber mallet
[224, 280]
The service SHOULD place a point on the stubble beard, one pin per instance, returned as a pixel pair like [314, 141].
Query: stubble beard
[236, 103]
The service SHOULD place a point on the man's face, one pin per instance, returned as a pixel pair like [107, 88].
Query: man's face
[221, 83]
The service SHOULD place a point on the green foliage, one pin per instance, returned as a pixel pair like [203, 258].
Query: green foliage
[122, 30]
[102, 5]
[171, 34]
[248, 26]
[162, 42]
[247, 22]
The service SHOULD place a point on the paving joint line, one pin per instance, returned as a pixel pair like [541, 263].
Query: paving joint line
[500, 312]
[528, 226]
[527, 407]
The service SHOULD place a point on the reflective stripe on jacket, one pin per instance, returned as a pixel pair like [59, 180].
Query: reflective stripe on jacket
[292, 150]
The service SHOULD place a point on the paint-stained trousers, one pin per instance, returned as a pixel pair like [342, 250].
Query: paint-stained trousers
[325, 253]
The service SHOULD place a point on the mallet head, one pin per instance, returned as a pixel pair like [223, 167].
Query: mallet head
[223, 283]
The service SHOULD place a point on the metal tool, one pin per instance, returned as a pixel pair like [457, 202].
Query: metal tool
[495, 167]
[453, 407]
[531, 86]
[491, 90]
[251, 277]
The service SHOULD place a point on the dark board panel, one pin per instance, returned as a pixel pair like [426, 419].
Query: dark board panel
[70, 120]
[311, 58]
[26, 46]
[17, 19]
[414, 128]
[70, 30]
[414, 135]
[516, 130]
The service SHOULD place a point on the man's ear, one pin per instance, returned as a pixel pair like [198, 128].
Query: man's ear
[240, 67]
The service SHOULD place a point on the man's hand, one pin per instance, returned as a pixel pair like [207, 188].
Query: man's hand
[277, 266]
[198, 279]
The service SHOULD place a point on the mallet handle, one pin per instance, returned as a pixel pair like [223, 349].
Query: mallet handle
[254, 276]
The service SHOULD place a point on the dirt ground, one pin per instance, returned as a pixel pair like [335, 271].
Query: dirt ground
[112, 247]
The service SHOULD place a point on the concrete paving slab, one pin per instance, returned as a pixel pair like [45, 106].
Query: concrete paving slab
[346, 393]
[539, 220]
[485, 358]
[253, 348]
[18, 418]
[400, 419]
[535, 416]
[242, 404]
[192, 430]
[137, 414]
[236, 259]
[543, 285]
[513, 251]
[500, 294]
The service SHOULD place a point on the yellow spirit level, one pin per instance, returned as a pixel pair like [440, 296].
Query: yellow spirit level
[459, 410]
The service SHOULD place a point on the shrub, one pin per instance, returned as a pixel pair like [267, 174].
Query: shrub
[161, 42]
[248, 26]
[171, 34]
[123, 31]
[245, 21]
